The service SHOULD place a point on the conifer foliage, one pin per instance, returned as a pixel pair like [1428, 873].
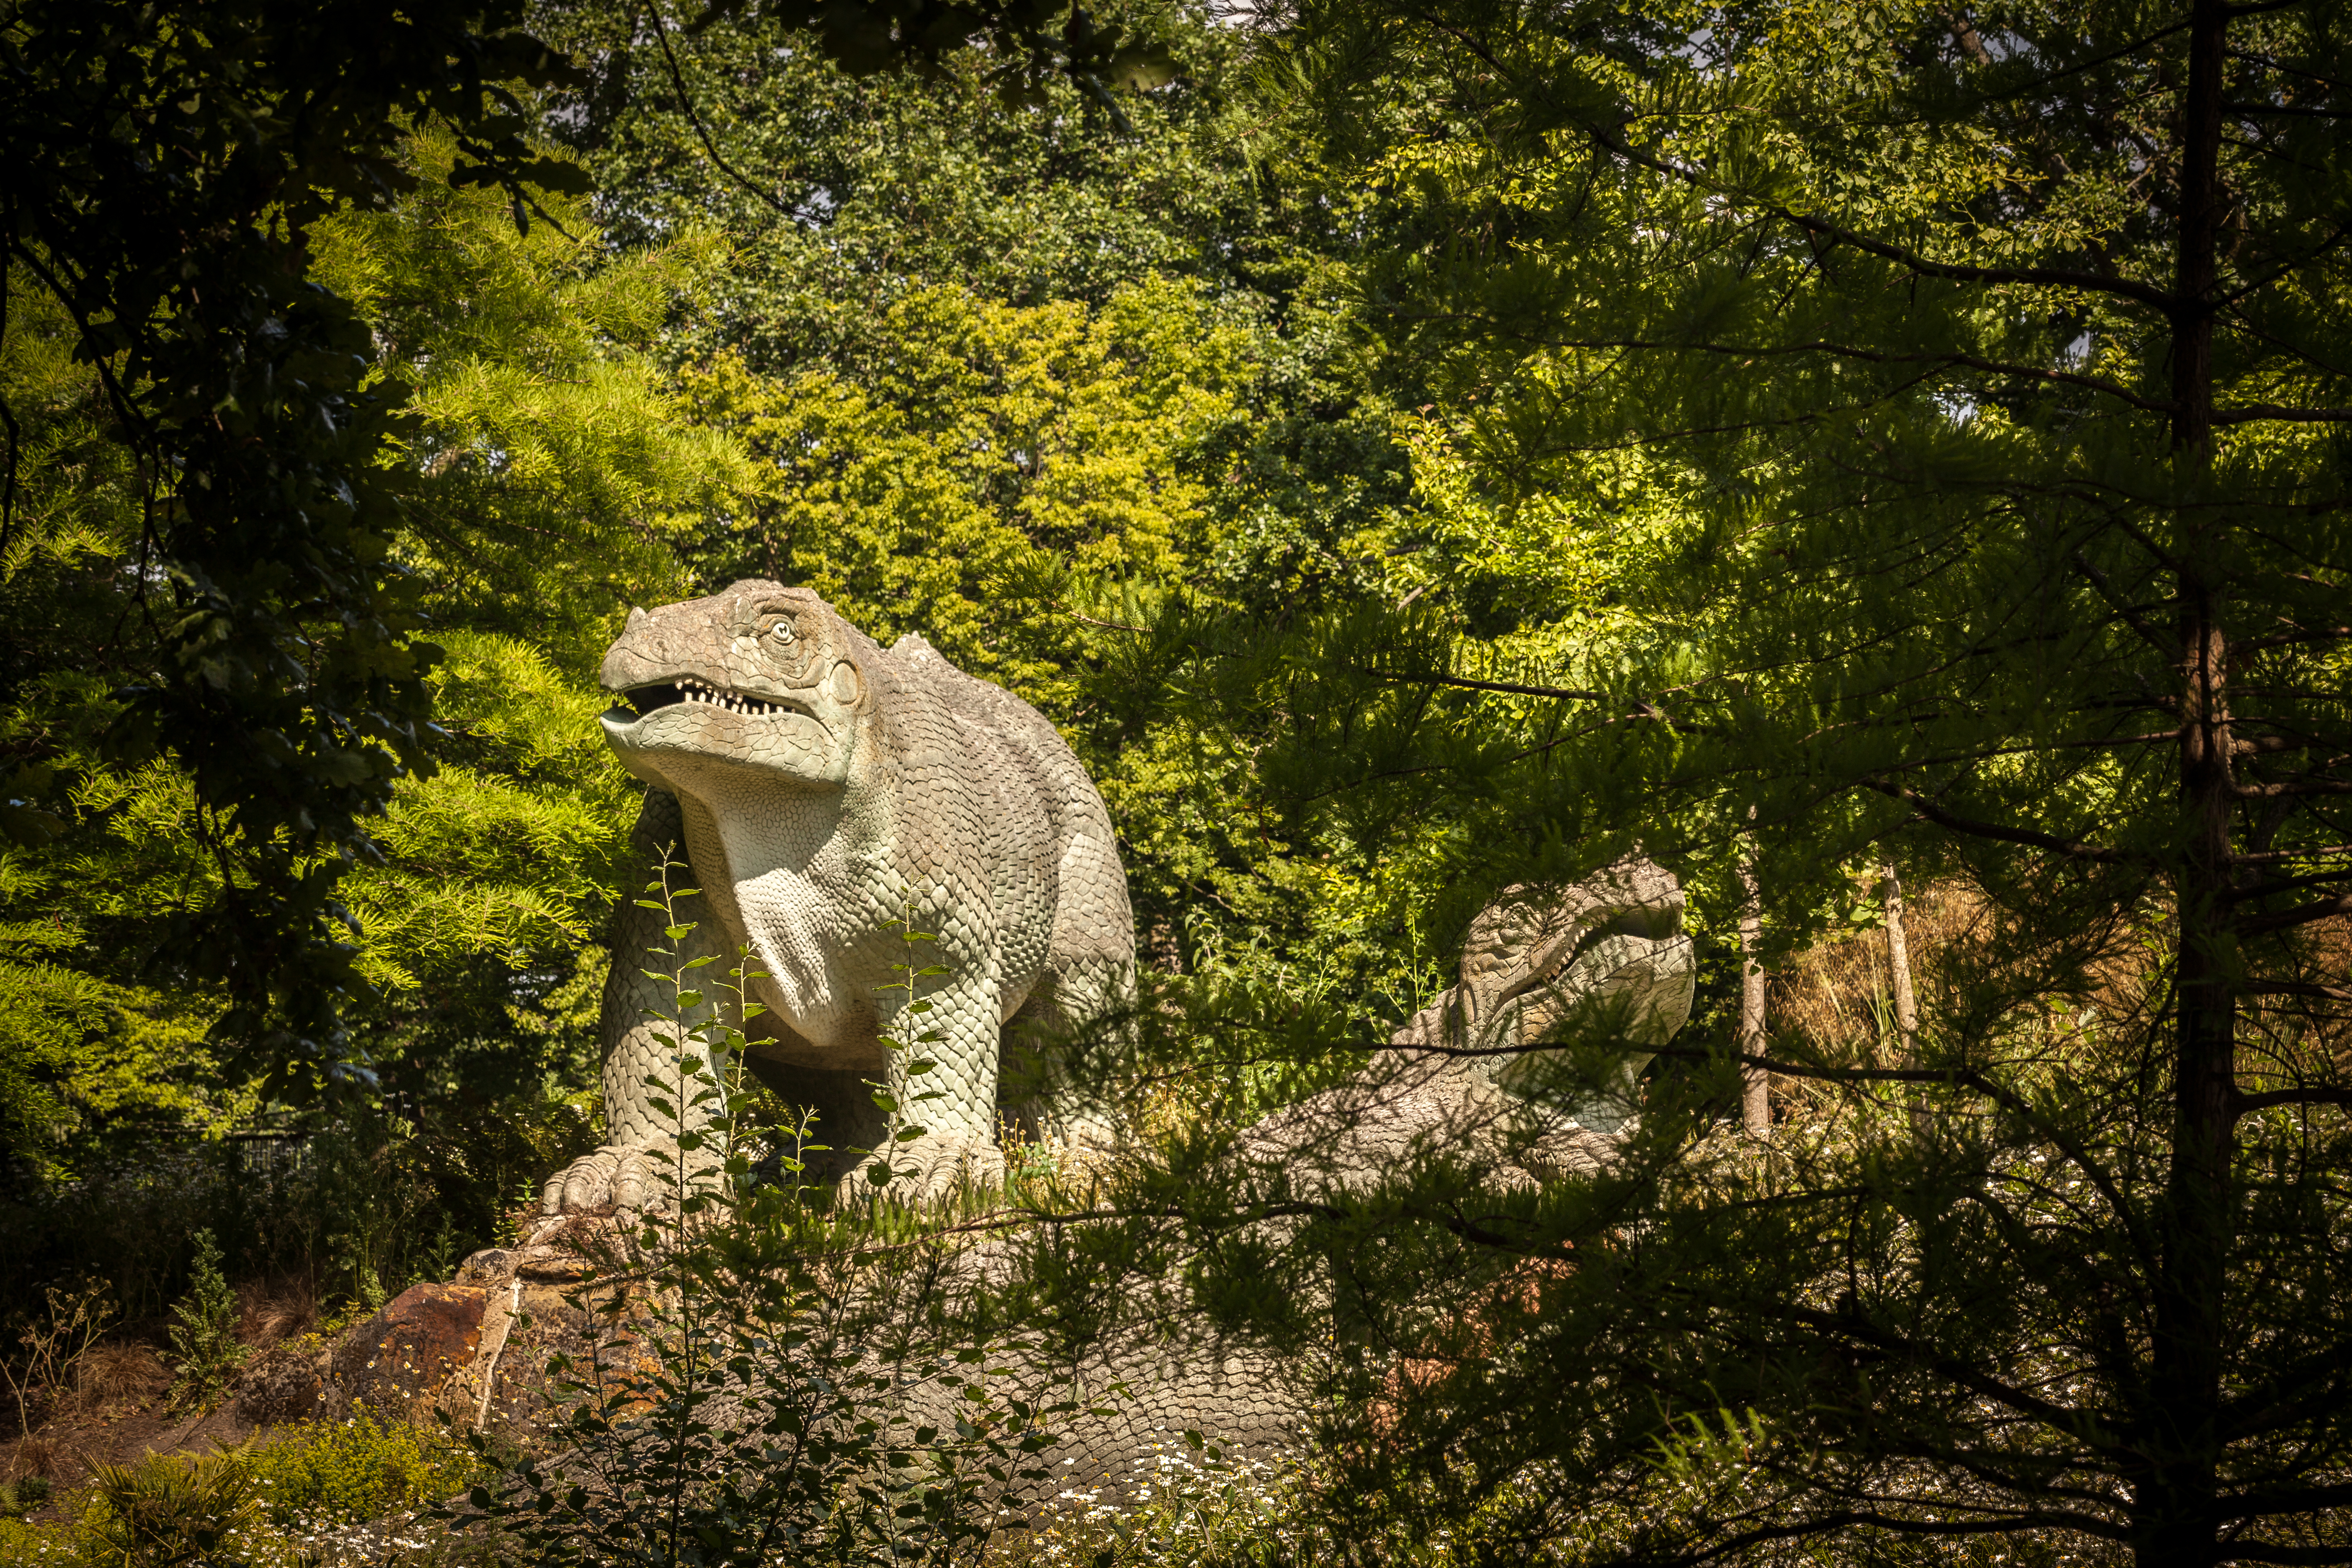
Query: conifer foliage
[1994, 361]
[169, 164]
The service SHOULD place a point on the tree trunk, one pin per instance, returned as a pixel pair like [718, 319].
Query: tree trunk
[2173, 1497]
[1906, 1001]
[1898, 961]
[1756, 1084]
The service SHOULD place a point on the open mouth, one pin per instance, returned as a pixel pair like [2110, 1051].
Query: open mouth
[642, 700]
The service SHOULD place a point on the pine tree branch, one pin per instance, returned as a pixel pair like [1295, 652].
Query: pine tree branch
[2287, 920]
[2286, 885]
[2273, 856]
[2270, 1504]
[2072, 848]
[1962, 1373]
[1836, 350]
[1642, 709]
[2244, 1103]
[1608, 140]
[2264, 109]
[1893, 1524]
[2162, 641]
[2243, 1417]
[2287, 639]
[2291, 790]
[2253, 412]
[2243, 1551]
[1954, 272]
[2254, 286]
[2008, 1098]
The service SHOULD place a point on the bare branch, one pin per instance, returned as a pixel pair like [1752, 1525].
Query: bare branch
[2286, 920]
[2242, 1103]
[2072, 849]
[694, 115]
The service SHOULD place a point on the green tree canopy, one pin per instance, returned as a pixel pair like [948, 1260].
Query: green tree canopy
[1979, 379]
[560, 476]
[171, 165]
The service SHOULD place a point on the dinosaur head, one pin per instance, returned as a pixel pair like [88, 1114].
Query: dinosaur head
[761, 678]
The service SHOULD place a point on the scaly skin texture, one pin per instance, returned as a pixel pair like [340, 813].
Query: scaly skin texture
[1602, 959]
[820, 789]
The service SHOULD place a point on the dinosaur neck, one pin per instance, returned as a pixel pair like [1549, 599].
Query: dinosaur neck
[777, 871]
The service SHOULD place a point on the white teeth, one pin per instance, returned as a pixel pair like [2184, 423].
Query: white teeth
[694, 691]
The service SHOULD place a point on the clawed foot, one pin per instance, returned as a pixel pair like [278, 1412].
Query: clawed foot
[619, 1178]
[622, 1180]
[933, 1165]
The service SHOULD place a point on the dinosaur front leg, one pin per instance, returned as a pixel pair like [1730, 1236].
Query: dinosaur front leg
[958, 1139]
[647, 1103]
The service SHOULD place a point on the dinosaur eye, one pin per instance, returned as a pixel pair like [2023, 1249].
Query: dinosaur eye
[784, 632]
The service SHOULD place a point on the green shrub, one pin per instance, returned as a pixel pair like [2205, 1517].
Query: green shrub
[320, 1475]
[203, 1333]
[166, 1510]
[293, 1503]
[49, 1545]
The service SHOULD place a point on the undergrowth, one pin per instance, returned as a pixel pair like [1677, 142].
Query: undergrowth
[326, 1494]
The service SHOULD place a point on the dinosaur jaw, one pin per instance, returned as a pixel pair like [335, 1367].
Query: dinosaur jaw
[642, 702]
[680, 732]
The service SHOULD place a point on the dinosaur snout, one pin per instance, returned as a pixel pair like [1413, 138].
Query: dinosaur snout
[661, 645]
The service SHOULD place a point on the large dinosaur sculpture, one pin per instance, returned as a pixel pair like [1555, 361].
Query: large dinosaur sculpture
[822, 789]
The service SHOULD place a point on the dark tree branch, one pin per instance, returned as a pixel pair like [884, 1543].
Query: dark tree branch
[693, 116]
[2072, 849]
[2245, 1103]
[1910, 260]
[1844, 351]
[2253, 412]
[2288, 885]
[1511, 687]
[2286, 920]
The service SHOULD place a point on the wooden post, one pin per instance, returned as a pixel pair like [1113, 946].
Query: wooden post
[1756, 1084]
[1898, 961]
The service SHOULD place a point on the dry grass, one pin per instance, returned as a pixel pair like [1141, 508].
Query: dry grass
[34, 1457]
[117, 1374]
[1838, 995]
[272, 1311]
[1841, 993]
[2298, 1039]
